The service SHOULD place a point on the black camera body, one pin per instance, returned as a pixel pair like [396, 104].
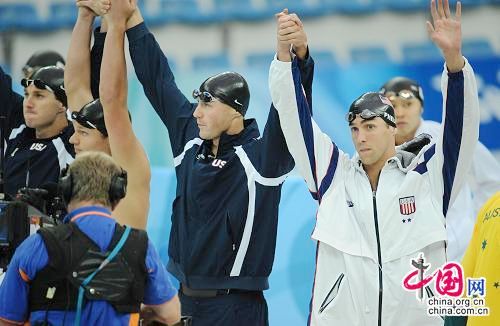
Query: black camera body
[45, 202]
[14, 228]
[31, 209]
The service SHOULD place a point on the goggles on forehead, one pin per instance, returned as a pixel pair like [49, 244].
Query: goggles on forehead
[404, 94]
[38, 83]
[203, 96]
[81, 119]
[365, 114]
[369, 114]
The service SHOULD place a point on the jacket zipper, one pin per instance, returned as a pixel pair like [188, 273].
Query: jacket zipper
[230, 231]
[380, 284]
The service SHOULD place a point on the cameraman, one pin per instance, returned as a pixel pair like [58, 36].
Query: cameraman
[89, 270]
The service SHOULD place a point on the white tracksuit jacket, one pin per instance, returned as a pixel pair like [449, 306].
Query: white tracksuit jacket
[365, 242]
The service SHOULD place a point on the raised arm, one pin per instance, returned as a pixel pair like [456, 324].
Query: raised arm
[96, 56]
[77, 69]
[452, 156]
[316, 156]
[100, 8]
[276, 158]
[153, 71]
[125, 147]
[291, 31]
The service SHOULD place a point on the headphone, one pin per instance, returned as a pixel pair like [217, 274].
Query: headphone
[117, 188]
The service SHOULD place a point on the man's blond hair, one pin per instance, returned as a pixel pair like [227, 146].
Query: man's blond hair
[91, 174]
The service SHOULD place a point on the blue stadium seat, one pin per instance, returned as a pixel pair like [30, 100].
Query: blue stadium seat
[227, 10]
[407, 5]
[150, 10]
[292, 5]
[22, 15]
[470, 3]
[421, 52]
[323, 58]
[177, 11]
[63, 14]
[351, 6]
[219, 60]
[477, 48]
[263, 59]
[369, 54]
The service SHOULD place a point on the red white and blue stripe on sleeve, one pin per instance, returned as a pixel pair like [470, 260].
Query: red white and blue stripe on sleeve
[452, 136]
[306, 124]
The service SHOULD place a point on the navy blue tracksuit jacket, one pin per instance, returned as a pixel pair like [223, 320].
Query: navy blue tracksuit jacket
[225, 213]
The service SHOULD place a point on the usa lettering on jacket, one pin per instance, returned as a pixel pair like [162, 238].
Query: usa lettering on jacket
[38, 147]
[218, 163]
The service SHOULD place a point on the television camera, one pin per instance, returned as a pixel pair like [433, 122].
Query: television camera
[31, 209]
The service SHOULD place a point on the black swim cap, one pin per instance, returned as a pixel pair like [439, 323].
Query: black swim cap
[91, 115]
[371, 105]
[403, 87]
[43, 59]
[228, 87]
[50, 78]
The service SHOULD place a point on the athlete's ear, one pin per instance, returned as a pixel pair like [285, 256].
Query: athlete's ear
[61, 108]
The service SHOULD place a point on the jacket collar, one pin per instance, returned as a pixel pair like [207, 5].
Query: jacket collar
[227, 142]
[402, 160]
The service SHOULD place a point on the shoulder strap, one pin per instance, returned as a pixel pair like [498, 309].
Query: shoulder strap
[53, 237]
[109, 257]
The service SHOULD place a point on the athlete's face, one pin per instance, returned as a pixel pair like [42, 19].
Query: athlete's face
[408, 115]
[373, 139]
[40, 107]
[214, 118]
[87, 139]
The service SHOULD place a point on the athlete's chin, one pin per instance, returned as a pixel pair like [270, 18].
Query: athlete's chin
[31, 123]
[367, 159]
[205, 135]
[405, 132]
